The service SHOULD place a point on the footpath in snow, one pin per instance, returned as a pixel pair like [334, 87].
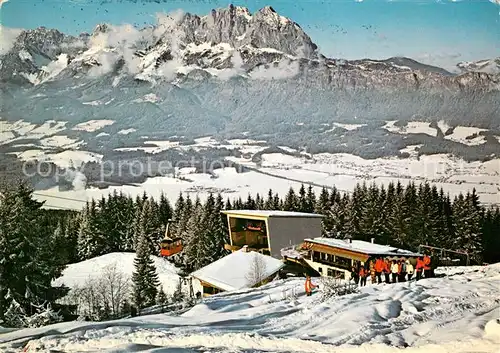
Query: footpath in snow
[456, 313]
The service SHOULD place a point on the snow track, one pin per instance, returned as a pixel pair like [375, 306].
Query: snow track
[457, 313]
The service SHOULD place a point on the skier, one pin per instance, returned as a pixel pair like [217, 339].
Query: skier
[394, 271]
[354, 275]
[427, 266]
[363, 273]
[373, 273]
[409, 269]
[419, 268]
[309, 286]
[402, 270]
[387, 270]
[379, 268]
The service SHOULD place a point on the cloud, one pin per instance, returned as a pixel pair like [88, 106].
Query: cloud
[276, 71]
[446, 60]
[115, 43]
[8, 37]
[236, 69]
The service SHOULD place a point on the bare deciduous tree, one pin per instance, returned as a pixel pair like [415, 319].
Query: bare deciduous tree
[257, 272]
[103, 297]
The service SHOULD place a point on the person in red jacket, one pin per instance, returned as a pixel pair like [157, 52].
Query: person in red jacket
[419, 268]
[387, 271]
[363, 273]
[379, 268]
[309, 286]
[427, 266]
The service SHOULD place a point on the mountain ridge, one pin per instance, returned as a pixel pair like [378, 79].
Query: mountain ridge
[227, 38]
[227, 70]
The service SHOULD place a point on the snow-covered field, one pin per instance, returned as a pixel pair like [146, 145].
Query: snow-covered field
[467, 135]
[79, 273]
[280, 172]
[456, 313]
[412, 127]
[277, 171]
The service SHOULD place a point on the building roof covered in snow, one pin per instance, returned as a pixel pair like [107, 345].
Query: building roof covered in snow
[267, 214]
[234, 271]
[363, 247]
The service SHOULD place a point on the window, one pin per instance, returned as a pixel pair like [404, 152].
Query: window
[320, 269]
[329, 272]
[327, 259]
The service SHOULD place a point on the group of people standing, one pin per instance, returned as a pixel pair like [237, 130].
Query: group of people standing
[392, 271]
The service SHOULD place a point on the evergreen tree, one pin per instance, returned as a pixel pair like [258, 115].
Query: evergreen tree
[323, 207]
[144, 278]
[277, 203]
[311, 200]
[269, 204]
[221, 231]
[491, 235]
[250, 203]
[228, 205]
[195, 248]
[291, 202]
[149, 224]
[91, 240]
[302, 201]
[165, 210]
[161, 297]
[27, 261]
[356, 211]
[259, 202]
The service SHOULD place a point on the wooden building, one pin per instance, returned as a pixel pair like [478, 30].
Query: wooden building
[336, 257]
[268, 232]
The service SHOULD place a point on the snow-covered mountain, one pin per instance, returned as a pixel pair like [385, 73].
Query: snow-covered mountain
[226, 39]
[489, 66]
[229, 71]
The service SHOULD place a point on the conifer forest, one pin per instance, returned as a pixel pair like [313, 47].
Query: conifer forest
[36, 243]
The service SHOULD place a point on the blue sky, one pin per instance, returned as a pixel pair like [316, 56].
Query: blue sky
[436, 32]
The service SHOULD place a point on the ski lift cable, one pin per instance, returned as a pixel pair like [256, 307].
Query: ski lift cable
[59, 197]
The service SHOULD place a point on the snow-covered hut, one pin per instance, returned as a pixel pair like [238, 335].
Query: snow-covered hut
[238, 270]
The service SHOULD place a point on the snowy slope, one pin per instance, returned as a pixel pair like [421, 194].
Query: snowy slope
[78, 273]
[456, 313]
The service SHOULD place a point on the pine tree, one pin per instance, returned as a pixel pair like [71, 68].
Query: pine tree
[311, 200]
[27, 261]
[302, 201]
[165, 210]
[250, 203]
[149, 224]
[291, 202]
[269, 204]
[195, 245]
[356, 210]
[221, 232]
[144, 278]
[323, 207]
[91, 241]
[161, 297]
[491, 235]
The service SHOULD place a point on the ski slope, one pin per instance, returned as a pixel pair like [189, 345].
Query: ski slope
[455, 313]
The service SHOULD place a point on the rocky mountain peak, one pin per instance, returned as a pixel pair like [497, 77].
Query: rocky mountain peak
[237, 27]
